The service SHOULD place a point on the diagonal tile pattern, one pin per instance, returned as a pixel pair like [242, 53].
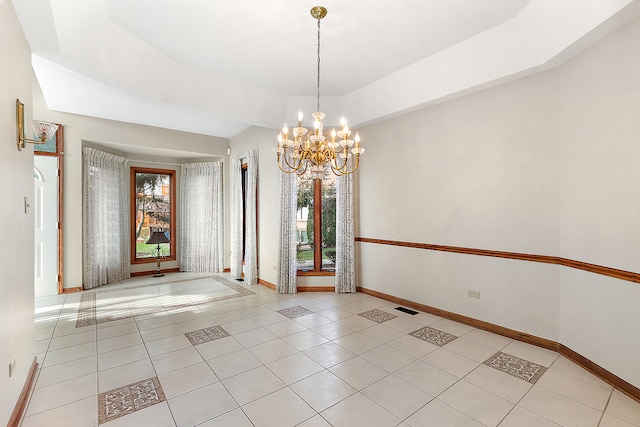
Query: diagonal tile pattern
[128, 399]
[294, 312]
[202, 336]
[378, 316]
[200, 351]
[514, 366]
[433, 336]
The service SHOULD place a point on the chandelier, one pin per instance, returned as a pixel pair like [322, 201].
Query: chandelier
[301, 150]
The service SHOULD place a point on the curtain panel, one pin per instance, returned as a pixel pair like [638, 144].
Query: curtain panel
[105, 218]
[236, 217]
[201, 240]
[288, 268]
[345, 238]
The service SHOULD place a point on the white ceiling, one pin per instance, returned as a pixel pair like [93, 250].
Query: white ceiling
[216, 67]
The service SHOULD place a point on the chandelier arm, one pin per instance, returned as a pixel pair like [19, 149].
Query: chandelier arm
[279, 161]
[340, 172]
[284, 170]
[304, 170]
[336, 172]
[293, 167]
[286, 161]
[344, 163]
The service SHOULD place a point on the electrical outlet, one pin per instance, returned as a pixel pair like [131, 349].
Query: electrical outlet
[12, 366]
[474, 294]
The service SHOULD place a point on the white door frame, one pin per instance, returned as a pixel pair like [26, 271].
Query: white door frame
[59, 154]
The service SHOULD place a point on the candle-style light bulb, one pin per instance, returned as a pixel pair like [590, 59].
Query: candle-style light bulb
[285, 130]
[333, 135]
[280, 138]
[343, 122]
[300, 117]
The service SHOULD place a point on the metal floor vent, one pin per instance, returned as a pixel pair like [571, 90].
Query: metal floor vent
[406, 310]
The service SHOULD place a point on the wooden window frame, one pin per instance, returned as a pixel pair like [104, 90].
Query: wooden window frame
[172, 209]
[317, 231]
[244, 174]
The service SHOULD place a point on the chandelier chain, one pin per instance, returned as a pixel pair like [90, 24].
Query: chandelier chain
[318, 81]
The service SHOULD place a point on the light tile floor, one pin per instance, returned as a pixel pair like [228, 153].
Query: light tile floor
[257, 358]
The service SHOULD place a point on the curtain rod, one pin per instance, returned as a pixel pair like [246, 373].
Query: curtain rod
[155, 163]
[164, 163]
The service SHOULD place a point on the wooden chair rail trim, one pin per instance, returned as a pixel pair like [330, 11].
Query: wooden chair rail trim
[23, 399]
[610, 378]
[592, 268]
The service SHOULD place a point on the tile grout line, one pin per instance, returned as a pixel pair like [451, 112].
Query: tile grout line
[173, 417]
[604, 410]
[456, 382]
[239, 307]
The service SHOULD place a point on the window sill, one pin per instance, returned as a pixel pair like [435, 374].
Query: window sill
[154, 260]
[315, 273]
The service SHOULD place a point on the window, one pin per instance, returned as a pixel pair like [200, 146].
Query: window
[153, 197]
[316, 216]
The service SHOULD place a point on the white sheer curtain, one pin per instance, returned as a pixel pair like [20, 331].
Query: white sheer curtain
[345, 239]
[236, 217]
[288, 209]
[105, 218]
[251, 242]
[201, 218]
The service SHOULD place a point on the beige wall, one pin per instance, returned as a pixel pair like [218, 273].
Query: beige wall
[544, 165]
[16, 227]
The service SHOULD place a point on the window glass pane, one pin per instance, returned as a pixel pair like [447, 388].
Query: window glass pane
[329, 223]
[153, 212]
[304, 241]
